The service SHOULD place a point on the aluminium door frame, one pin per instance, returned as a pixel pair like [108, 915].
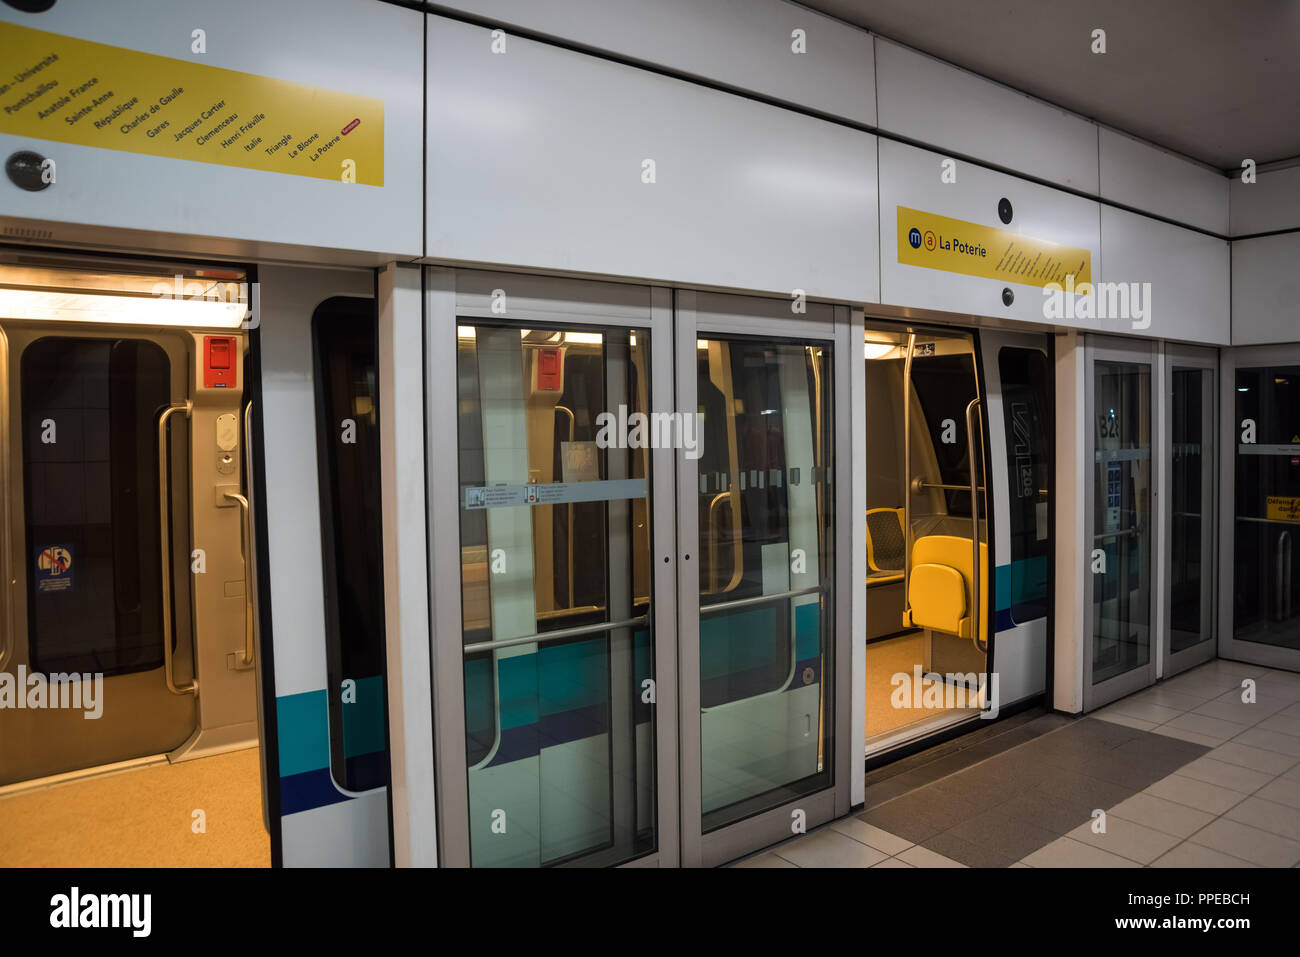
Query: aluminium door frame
[1249, 357]
[702, 313]
[1186, 357]
[450, 294]
[1137, 352]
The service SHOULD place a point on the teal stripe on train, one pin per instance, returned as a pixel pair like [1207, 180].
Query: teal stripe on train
[303, 721]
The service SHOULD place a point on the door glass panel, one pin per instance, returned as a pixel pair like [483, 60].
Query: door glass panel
[555, 593]
[1121, 558]
[90, 472]
[923, 668]
[766, 536]
[1191, 508]
[1028, 423]
[347, 440]
[1266, 592]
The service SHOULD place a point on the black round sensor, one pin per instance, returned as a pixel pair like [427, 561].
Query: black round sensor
[1004, 210]
[24, 171]
[1008, 297]
[31, 6]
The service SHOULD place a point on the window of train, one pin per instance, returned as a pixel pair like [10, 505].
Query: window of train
[90, 407]
[1026, 413]
[555, 593]
[944, 382]
[766, 550]
[1266, 586]
[347, 434]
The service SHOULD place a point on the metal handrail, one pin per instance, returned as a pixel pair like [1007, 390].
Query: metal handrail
[738, 565]
[975, 523]
[573, 425]
[920, 485]
[907, 477]
[164, 536]
[244, 538]
[758, 600]
[546, 636]
[1284, 576]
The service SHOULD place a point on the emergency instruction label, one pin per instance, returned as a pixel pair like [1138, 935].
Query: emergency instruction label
[84, 93]
[954, 245]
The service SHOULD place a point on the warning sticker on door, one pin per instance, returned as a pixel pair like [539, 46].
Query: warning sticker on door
[1282, 508]
[53, 569]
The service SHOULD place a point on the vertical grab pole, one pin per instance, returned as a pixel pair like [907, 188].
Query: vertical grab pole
[164, 538]
[974, 524]
[907, 480]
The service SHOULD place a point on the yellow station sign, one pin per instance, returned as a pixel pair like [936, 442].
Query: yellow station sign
[954, 245]
[1283, 508]
[92, 94]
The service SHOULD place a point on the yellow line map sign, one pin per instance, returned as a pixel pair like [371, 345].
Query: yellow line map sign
[92, 94]
[1283, 508]
[953, 245]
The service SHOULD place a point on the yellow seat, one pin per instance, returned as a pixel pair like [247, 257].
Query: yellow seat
[939, 587]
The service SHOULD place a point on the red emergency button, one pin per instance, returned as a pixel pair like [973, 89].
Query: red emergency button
[549, 377]
[219, 354]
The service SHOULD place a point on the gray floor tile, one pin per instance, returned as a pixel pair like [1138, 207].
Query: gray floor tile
[1270, 741]
[1280, 819]
[1194, 793]
[1281, 722]
[1282, 791]
[827, 848]
[1202, 724]
[871, 836]
[1125, 720]
[1162, 814]
[766, 859]
[892, 862]
[1182, 734]
[1135, 707]
[1127, 839]
[1194, 855]
[1225, 775]
[1257, 759]
[1230, 707]
[1248, 843]
[1065, 852]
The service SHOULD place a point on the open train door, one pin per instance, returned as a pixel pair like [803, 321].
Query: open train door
[322, 689]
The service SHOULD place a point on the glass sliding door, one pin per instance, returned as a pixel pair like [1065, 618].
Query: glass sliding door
[1260, 593]
[757, 507]
[1189, 485]
[553, 666]
[1121, 658]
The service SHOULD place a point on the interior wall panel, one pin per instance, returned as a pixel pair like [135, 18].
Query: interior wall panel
[1266, 290]
[355, 47]
[910, 178]
[745, 44]
[939, 105]
[1188, 275]
[1145, 178]
[540, 158]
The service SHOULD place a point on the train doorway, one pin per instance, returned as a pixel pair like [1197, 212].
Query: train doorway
[128, 617]
[958, 468]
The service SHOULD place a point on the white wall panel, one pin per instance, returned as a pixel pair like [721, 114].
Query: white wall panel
[937, 104]
[1188, 271]
[535, 159]
[745, 44]
[1266, 290]
[1270, 203]
[1146, 178]
[910, 177]
[350, 46]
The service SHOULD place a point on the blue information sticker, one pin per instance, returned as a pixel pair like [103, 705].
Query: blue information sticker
[53, 569]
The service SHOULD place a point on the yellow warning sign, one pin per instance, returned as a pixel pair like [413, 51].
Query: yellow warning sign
[1282, 508]
[953, 245]
[92, 94]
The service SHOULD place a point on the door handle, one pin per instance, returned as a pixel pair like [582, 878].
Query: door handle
[164, 537]
[244, 537]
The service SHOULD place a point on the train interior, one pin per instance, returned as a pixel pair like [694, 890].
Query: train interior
[127, 555]
[926, 645]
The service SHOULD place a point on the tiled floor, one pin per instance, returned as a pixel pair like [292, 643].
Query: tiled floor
[1186, 773]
